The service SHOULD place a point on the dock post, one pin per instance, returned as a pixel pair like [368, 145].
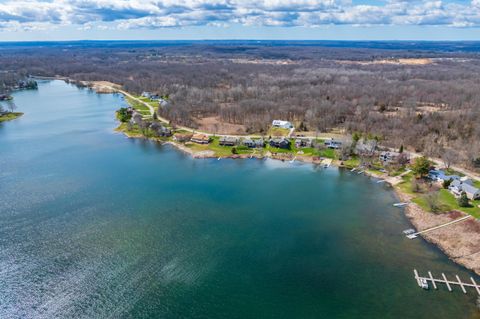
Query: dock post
[417, 278]
[446, 282]
[433, 280]
[476, 286]
[461, 284]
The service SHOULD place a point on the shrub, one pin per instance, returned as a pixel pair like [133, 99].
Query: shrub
[416, 186]
[433, 202]
[463, 200]
[446, 183]
[124, 115]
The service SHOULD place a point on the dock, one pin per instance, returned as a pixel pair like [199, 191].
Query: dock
[415, 235]
[444, 280]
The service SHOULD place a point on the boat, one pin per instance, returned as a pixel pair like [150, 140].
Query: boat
[409, 231]
[422, 282]
[219, 158]
[380, 181]
[412, 236]
[353, 169]
[400, 204]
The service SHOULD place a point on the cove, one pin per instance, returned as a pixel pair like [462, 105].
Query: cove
[95, 225]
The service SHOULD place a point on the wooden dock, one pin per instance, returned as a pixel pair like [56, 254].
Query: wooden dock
[415, 235]
[449, 283]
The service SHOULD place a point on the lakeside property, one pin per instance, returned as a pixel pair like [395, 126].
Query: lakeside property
[102, 216]
[431, 201]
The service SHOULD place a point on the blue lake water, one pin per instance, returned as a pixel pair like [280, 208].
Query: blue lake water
[95, 225]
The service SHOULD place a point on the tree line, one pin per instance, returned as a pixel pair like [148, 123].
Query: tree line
[431, 108]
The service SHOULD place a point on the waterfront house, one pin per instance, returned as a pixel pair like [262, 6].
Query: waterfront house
[228, 141]
[303, 142]
[282, 124]
[466, 180]
[253, 143]
[4, 97]
[440, 176]
[160, 130]
[146, 94]
[280, 143]
[457, 187]
[137, 118]
[388, 157]
[162, 102]
[182, 138]
[333, 144]
[200, 138]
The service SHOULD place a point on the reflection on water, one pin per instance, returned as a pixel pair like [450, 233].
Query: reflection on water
[94, 225]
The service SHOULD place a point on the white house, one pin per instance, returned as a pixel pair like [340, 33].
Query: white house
[457, 187]
[282, 124]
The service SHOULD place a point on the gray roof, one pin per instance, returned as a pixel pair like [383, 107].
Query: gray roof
[469, 188]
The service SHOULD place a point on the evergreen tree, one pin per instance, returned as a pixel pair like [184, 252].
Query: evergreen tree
[463, 200]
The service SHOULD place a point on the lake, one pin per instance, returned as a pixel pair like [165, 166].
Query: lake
[95, 225]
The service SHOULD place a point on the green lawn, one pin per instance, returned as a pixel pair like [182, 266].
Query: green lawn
[446, 200]
[352, 162]
[137, 105]
[10, 116]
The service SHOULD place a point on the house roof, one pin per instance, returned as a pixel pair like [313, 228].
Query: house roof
[199, 136]
[469, 188]
[228, 139]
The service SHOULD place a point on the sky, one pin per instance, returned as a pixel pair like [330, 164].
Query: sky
[30, 20]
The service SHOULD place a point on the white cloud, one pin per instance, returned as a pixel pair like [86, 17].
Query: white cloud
[127, 14]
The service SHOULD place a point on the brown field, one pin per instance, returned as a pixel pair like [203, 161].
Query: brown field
[215, 125]
[411, 61]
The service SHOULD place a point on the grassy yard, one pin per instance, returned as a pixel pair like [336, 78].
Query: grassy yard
[352, 162]
[10, 116]
[138, 106]
[446, 200]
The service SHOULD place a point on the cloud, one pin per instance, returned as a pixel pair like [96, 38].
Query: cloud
[130, 14]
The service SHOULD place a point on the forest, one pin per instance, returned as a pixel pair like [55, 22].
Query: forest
[424, 99]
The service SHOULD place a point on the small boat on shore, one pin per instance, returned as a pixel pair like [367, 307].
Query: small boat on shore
[380, 181]
[353, 169]
[400, 204]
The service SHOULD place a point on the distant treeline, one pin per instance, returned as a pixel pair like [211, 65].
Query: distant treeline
[431, 104]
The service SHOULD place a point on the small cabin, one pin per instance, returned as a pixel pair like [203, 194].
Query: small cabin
[182, 138]
[228, 141]
[200, 138]
[333, 144]
[280, 143]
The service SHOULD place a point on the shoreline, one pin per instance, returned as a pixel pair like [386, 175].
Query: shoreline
[459, 242]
